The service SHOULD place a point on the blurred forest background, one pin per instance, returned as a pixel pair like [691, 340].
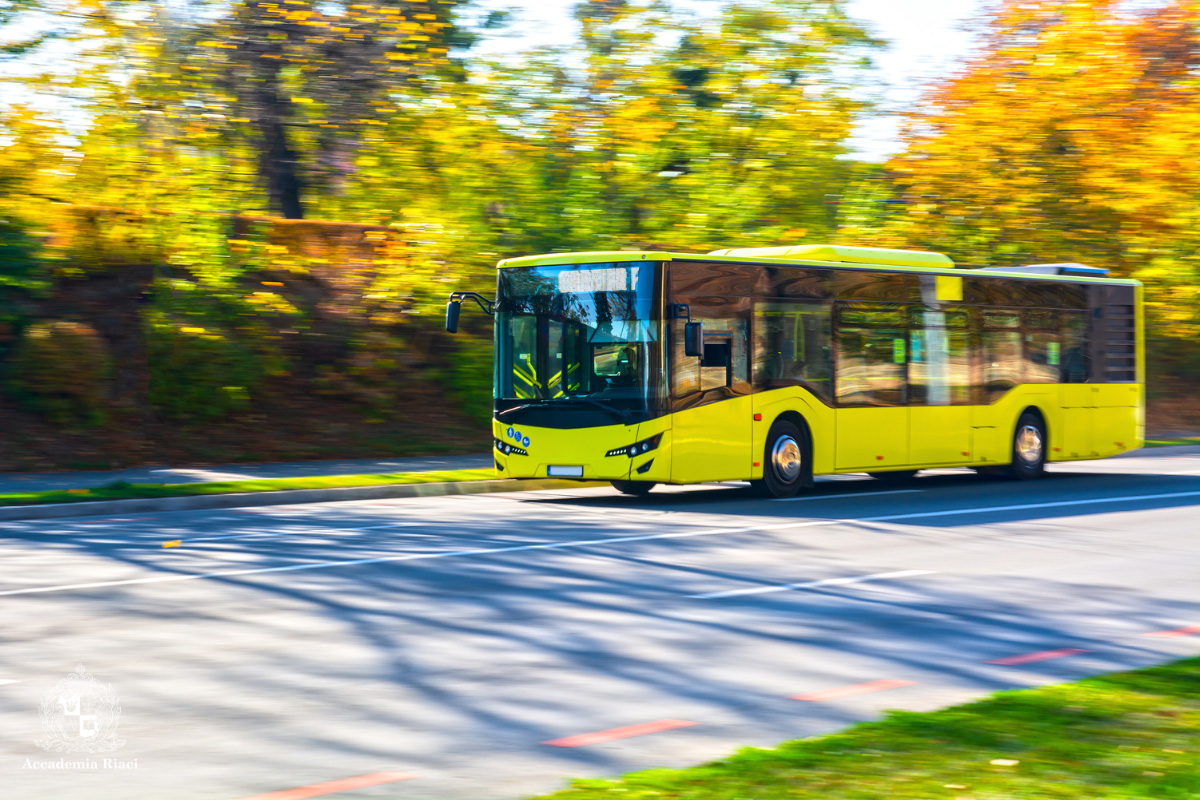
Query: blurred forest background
[227, 229]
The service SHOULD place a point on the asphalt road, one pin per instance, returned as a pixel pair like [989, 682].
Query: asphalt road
[448, 640]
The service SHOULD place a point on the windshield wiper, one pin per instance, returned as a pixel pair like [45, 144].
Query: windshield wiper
[544, 401]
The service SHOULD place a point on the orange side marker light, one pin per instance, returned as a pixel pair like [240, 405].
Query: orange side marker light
[758, 417]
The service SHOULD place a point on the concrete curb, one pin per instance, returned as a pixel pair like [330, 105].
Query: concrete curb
[300, 496]
[285, 497]
[1165, 450]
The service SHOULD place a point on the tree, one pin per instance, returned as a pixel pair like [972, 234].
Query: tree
[298, 81]
[1069, 136]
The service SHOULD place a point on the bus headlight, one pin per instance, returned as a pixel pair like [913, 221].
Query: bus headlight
[509, 449]
[637, 448]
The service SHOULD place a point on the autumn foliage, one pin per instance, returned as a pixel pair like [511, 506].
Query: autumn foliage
[1071, 135]
[150, 209]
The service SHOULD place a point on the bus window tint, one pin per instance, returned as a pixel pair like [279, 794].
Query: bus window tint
[1074, 345]
[939, 371]
[726, 323]
[870, 285]
[523, 381]
[1043, 353]
[1001, 362]
[871, 362]
[793, 347]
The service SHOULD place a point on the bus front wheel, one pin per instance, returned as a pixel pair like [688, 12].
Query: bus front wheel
[1029, 448]
[786, 461]
[633, 488]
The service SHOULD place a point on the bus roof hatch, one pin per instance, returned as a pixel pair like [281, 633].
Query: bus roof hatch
[850, 255]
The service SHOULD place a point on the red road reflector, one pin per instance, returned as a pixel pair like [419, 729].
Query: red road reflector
[1042, 655]
[1192, 631]
[641, 729]
[332, 787]
[852, 691]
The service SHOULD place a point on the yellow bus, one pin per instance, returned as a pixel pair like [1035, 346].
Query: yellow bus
[773, 365]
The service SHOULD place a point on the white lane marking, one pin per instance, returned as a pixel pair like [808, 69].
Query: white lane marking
[591, 542]
[878, 576]
[848, 495]
[322, 531]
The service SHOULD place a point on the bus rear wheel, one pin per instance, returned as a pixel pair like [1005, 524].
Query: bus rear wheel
[787, 464]
[1029, 448]
[633, 488]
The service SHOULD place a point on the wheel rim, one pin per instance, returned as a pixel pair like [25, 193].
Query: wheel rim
[785, 458]
[1029, 444]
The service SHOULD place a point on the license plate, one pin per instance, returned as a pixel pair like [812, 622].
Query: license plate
[555, 471]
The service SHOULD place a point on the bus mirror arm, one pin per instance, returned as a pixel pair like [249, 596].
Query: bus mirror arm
[455, 306]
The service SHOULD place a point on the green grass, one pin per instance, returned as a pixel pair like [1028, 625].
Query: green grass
[1170, 442]
[120, 490]
[1128, 735]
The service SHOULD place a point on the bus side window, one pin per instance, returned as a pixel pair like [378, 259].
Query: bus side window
[1043, 350]
[872, 354]
[1001, 337]
[793, 346]
[1075, 347]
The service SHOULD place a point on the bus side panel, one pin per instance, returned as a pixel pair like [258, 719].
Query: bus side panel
[1098, 420]
[872, 438]
[712, 442]
[1116, 421]
[820, 418]
[993, 426]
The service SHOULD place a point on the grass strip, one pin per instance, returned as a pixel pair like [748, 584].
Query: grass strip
[1172, 442]
[121, 490]
[1127, 735]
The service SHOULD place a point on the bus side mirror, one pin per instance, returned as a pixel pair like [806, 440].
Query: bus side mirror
[693, 340]
[452, 309]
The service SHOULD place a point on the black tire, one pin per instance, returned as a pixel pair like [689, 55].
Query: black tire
[634, 488]
[895, 476]
[787, 461]
[1028, 448]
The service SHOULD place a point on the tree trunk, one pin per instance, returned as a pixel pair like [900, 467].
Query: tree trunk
[277, 162]
[278, 166]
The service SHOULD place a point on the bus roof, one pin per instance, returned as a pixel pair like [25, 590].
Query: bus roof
[874, 258]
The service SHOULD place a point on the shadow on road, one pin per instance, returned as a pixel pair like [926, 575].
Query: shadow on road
[429, 659]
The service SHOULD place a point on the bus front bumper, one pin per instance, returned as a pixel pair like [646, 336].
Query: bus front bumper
[586, 454]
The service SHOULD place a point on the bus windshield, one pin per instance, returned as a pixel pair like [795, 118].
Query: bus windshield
[577, 342]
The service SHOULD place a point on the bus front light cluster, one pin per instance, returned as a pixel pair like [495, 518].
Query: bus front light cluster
[510, 449]
[637, 448]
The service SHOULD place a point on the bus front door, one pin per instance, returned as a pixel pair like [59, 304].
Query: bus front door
[711, 402]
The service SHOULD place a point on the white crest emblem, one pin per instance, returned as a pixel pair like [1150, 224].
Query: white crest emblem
[80, 715]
